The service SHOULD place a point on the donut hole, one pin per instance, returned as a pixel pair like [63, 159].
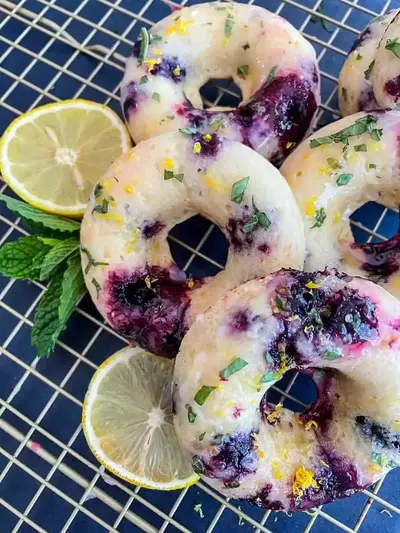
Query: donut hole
[373, 222]
[300, 395]
[198, 247]
[220, 93]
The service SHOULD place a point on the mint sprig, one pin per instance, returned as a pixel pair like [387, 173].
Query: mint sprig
[52, 256]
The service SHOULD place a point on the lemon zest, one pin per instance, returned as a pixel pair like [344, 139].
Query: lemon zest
[176, 71]
[151, 63]
[131, 154]
[374, 147]
[128, 189]
[168, 163]
[108, 184]
[224, 42]
[374, 469]
[324, 170]
[190, 284]
[312, 285]
[323, 463]
[310, 424]
[213, 183]
[257, 446]
[337, 217]
[207, 137]
[180, 27]
[196, 148]
[273, 417]
[289, 144]
[158, 52]
[310, 206]
[276, 472]
[303, 479]
[118, 219]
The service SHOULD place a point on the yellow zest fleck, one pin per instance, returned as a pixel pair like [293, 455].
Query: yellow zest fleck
[131, 154]
[324, 170]
[213, 183]
[150, 63]
[310, 424]
[224, 42]
[220, 387]
[289, 144]
[132, 243]
[156, 246]
[113, 203]
[337, 217]
[299, 421]
[292, 318]
[128, 189]
[354, 157]
[158, 52]
[168, 163]
[310, 206]
[374, 469]
[230, 403]
[108, 184]
[303, 479]
[118, 219]
[147, 280]
[190, 284]
[374, 147]
[323, 463]
[299, 173]
[196, 148]
[219, 414]
[180, 27]
[397, 282]
[284, 453]
[257, 446]
[273, 417]
[176, 71]
[252, 402]
[306, 157]
[276, 472]
[396, 426]
[207, 137]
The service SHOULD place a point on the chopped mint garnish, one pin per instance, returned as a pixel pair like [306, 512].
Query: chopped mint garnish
[243, 71]
[203, 393]
[320, 217]
[368, 72]
[344, 179]
[331, 355]
[229, 25]
[233, 367]
[143, 79]
[238, 190]
[144, 44]
[191, 415]
[156, 97]
[394, 46]
[97, 286]
[360, 148]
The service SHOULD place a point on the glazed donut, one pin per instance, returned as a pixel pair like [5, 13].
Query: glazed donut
[336, 171]
[274, 66]
[128, 267]
[344, 333]
[370, 76]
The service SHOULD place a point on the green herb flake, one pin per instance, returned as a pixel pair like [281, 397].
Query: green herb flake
[257, 219]
[98, 190]
[97, 287]
[102, 209]
[321, 140]
[170, 117]
[229, 25]
[333, 163]
[191, 415]
[358, 56]
[198, 509]
[315, 18]
[201, 436]
[268, 377]
[169, 175]
[243, 71]
[236, 365]
[232, 484]
[268, 358]
[279, 303]
[368, 72]
[371, 165]
[198, 465]
[378, 459]
[143, 79]
[238, 190]
[144, 44]
[188, 131]
[156, 97]
[360, 148]
[344, 94]
[344, 179]
[394, 46]
[203, 393]
[219, 439]
[91, 261]
[155, 38]
[271, 75]
[320, 217]
[330, 355]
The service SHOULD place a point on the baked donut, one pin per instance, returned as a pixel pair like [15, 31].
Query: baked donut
[128, 267]
[370, 76]
[336, 171]
[344, 333]
[274, 66]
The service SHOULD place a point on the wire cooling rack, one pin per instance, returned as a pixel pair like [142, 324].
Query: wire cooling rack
[49, 481]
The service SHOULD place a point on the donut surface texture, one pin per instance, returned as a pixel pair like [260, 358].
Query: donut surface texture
[128, 267]
[274, 66]
[344, 333]
[336, 171]
[370, 76]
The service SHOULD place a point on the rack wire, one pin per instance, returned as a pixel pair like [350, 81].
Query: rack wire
[49, 481]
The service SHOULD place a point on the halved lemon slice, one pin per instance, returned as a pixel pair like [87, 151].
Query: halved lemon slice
[54, 155]
[127, 421]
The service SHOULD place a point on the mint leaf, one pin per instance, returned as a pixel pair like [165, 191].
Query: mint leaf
[22, 259]
[31, 214]
[57, 255]
[47, 325]
[236, 365]
[203, 393]
[73, 287]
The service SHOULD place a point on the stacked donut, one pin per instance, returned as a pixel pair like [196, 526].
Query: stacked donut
[237, 334]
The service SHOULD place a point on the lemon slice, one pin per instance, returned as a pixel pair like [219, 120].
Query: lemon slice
[127, 421]
[54, 155]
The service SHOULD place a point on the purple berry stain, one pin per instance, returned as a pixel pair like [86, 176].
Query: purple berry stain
[392, 87]
[129, 99]
[148, 306]
[381, 259]
[151, 229]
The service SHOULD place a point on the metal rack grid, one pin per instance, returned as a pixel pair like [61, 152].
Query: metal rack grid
[49, 481]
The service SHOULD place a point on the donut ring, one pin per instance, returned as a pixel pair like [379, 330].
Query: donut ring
[370, 76]
[331, 179]
[274, 66]
[128, 267]
[344, 333]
